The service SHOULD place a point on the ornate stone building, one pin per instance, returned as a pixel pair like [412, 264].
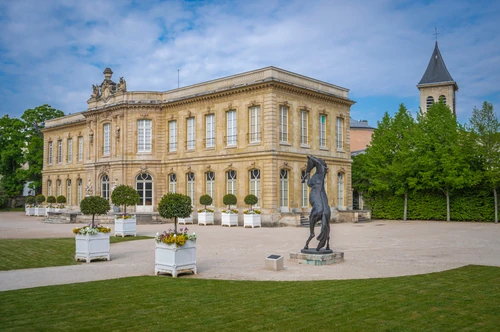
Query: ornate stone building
[242, 134]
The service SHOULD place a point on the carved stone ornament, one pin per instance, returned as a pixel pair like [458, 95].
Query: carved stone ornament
[144, 167]
[189, 114]
[253, 102]
[144, 115]
[285, 103]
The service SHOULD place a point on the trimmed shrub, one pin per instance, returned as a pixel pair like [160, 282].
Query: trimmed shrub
[173, 206]
[229, 199]
[30, 200]
[205, 200]
[61, 199]
[126, 196]
[93, 205]
[251, 200]
[51, 199]
[40, 199]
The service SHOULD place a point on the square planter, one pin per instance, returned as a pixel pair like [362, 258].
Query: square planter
[124, 227]
[173, 259]
[30, 211]
[188, 220]
[89, 247]
[49, 209]
[205, 218]
[229, 219]
[251, 220]
[39, 211]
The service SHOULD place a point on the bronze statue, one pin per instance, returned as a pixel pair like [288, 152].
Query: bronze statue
[319, 202]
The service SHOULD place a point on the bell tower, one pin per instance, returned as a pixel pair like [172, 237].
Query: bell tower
[437, 84]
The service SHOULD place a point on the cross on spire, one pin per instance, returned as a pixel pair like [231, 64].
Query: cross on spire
[436, 33]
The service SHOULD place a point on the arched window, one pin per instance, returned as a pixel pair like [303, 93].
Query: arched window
[49, 188]
[210, 183]
[430, 101]
[442, 99]
[68, 191]
[144, 186]
[255, 184]
[284, 188]
[79, 191]
[172, 183]
[231, 182]
[340, 190]
[59, 189]
[105, 186]
[304, 199]
[190, 186]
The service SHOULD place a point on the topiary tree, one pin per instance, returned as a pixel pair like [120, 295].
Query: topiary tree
[229, 199]
[173, 206]
[251, 200]
[39, 199]
[30, 200]
[92, 205]
[51, 199]
[126, 196]
[205, 200]
[61, 199]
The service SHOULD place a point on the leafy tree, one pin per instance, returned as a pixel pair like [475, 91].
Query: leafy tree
[173, 206]
[251, 200]
[439, 144]
[30, 200]
[12, 143]
[61, 199]
[229, 199]
[92, 205]
[485, 137]
[205, 200]
[40, 199]
[51, 199]
[126, 196]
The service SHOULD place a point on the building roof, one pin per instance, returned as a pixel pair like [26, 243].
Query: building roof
[360, 124]
[436, 71]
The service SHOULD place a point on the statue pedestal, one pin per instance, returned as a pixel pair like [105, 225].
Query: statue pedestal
[317, 258]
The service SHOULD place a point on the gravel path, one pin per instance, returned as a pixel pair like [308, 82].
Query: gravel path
[372, 250]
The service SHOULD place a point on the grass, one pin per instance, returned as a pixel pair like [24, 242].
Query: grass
[35, 253]
[464, 299]
[17, 209]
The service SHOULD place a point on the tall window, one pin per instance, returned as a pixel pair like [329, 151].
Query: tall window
[68, 192]
[144, 135]
[190, 134]
[340, 134]
[322, 131]
[79, 191]
[190, 186]
[284, 188]
[49, 188]
[210, 183]
[210, 130]
[105, 186]
[80, 148]
[255, 183]
[172, 128]
[254, 113]
[304, 129]
[304, 199]
[50, 153]
[340, 189]
[231, 182]
[172, 183]
[107, 135]
[144, 186]
[429, 102]
[70, 150]
[59, 151]
[59, 187]
[231, 127]
[283, 123]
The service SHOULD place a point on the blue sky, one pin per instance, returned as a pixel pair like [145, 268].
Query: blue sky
[51, 52]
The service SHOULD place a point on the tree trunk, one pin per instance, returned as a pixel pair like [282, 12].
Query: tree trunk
[447, 205]
[175, 225]
[496, 203]
[93, 220]
[406, 206]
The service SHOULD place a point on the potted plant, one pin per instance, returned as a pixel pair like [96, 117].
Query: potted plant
[125, 224]
[50, 200]
[205, 215]
[251, 217]
[29, 207]
[92, 241]
[39, 209]
[61, 200]
[175, 251]
[229, 216]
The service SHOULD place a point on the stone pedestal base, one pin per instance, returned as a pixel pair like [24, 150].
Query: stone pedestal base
[317, 259]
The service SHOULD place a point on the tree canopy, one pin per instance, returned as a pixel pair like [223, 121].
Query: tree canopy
[173, 206]
[126, 196]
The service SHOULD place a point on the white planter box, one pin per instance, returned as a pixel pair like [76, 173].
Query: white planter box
[229, 219]
[30, 211]
[251, 220]
[47, 210]
[89, 247]
[39, 211]
[188, 220]
[124, 227]
[205, 218]
[172, 259]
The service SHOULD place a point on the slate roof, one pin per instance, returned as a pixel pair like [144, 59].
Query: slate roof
[360, 124]
[436, 70]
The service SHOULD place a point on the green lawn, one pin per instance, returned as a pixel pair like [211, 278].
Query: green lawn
[464, 299]
[34, 253]
[18, 209]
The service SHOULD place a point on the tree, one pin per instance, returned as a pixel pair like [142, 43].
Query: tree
[51, 200]
[173, 206]
[205, 200]
[126, 196]
[61, 199]
[251, 200]
[229, 199]
[440, 160]
[39, 199]
[12, 143]
[93, 205]
[485, 137]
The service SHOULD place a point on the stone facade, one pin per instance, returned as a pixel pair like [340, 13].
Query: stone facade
[247, 133]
